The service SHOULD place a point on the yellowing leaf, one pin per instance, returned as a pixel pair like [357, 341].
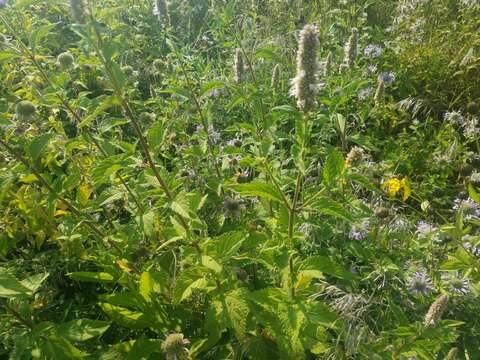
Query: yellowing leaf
[84, 193]
[124, 265]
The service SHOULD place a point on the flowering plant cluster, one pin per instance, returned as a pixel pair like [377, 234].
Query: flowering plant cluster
[205, 179]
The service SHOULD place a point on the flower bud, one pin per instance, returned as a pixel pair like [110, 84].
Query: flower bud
[25, 110]
[275, 76]
[65, 60]
[239, 67]
[436, 310]
[304, 85]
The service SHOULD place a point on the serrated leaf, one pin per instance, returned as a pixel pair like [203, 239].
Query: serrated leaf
[228, 244]
[333, 167]
[327, 206]
[257, 188]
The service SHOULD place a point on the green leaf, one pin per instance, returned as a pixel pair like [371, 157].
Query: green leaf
[473, 194]
[156, 135]
[39, 34]
[152, 283]
[34, 282]
[333, 167]
[38, 144]
[59, 348]
[83, 329]
[125, 317]
[316, 265]
[188, 280]
[211, 85]
[228, 244]
[100, 277]
[10, 286]
[329, 207]
[257, 188]
[106, 104]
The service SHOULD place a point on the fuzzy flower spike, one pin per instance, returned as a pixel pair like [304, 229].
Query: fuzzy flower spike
[351, 49]
[78, 9]
[304, 85]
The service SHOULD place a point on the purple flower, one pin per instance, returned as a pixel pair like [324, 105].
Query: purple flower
[364, 94]
[360, 231]
[387, 77]
[456, 283]
[420, 283]
[471, 210]
[426, 230]
[373, 51]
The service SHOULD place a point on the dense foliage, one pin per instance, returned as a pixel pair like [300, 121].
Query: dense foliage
[233, 179]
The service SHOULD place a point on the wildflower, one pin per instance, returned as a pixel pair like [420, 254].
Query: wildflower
[456, 283]
[475, 177]
[364, 94]
[355, 156]
[239, 67]
[232, 207]
[372, 51]
[304, 85]
[471, 128]
[426, 230]
[394, 185]
[399, 225]
[306, 229]
[380, 93]
[372, 68]
[275, 76]
[162, 12]
[359, 232]
[351, 49]
[454, 118]
[436, 310]
[420, 283]
[237, 142]
[25, 110]
[243, 177]
[327, 65]
[78, 9]
[471, 209]
[387, 77]
[234, 160]
[213, 135]
[470, 247]
[128, 70]
[452, 354]
[65, 60]
[159, 64]
[175, 347]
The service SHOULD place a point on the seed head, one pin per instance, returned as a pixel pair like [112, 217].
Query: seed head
[128, 70]
[239, 67]
[159, 64]
[65, 60]
[380, 93]
[175, 347]
[161, 9]
[78, 9]
[436, 310]
[275, 76]
[327, 66]
[304, 85]
[472, 108]
[351, 49]
[355, 156]
[25, 110]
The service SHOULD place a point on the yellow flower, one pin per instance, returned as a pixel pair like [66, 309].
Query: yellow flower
[393, 186]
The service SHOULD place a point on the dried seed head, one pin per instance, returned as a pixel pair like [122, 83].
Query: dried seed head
[159, 64]
[351, 49]
[239, 67]
[327, 66]
[25, 110]
[472, 108]
[380, 93]
[355, 156]
[275, 76]
[161, 9]
[65, 60]
[304, 85]
[128, 70]
[78, 9]
[175, 347]
[436, 310]
[452, 354]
